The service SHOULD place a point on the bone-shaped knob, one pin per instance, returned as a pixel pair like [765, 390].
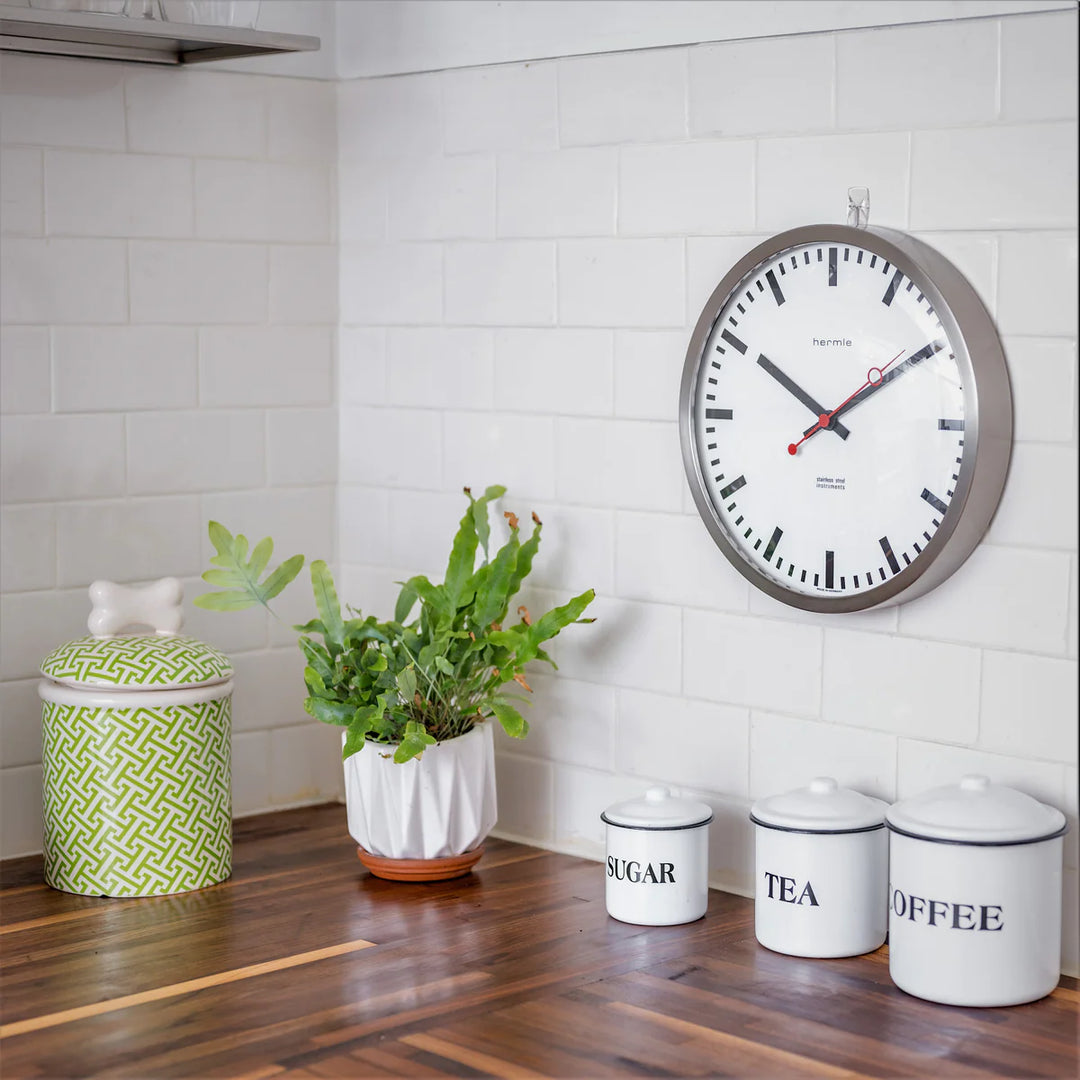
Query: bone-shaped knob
[115, 607]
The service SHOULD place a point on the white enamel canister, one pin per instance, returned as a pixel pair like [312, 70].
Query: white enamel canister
[657, 862]
[821, 877]
[975, 895]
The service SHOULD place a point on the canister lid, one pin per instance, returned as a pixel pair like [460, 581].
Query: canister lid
[658, 809]
[161, 660]
[820, 807]
[976, 811]
[136, 662]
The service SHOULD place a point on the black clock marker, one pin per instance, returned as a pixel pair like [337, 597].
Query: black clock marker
[817, 578]
[778, 294]
[733, 341]
[832, 265]
[782, 270]
[890, 292]
[890, 558]
[803, 578]
[750, 297]
[829, 558]
[757, 544]
[859, 259]
[717, 414]
[761, 288]
[806, 257]
[856, 581]
[738, 482]
[773, 541]
[873, 261]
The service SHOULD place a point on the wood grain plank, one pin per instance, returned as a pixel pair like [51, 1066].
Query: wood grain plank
[191, 986]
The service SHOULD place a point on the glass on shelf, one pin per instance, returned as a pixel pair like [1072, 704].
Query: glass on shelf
[243, 13]
[100, 7]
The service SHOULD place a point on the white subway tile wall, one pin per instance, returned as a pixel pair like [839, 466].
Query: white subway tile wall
[533, 333]
[505, 265]
[170, 309]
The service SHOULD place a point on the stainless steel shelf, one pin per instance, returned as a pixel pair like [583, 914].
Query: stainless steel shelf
[151, 41]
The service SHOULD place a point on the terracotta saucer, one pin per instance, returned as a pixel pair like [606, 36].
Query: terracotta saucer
[450, 866]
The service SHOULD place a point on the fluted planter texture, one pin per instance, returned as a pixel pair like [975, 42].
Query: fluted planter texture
[424, 819]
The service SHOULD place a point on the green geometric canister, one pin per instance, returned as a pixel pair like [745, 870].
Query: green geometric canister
[136, 756]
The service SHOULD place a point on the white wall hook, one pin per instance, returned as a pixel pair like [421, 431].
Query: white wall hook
[858, 207]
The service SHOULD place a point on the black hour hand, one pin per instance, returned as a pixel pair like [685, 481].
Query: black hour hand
[798, 392]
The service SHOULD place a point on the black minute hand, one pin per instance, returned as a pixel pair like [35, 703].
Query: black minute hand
[797, 391]
[885, 378]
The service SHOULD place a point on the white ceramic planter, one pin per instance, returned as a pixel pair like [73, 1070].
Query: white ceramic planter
[440, 804]
[657, 864]
[975, 895]
[821, 871]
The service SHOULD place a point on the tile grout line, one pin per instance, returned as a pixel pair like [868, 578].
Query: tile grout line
[82, 1012]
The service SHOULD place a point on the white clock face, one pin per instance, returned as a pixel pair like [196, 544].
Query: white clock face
[827, 421]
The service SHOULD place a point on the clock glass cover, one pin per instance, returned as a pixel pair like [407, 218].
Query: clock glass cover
[827, 419]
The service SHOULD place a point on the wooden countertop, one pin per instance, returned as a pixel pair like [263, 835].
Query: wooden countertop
[302, 965]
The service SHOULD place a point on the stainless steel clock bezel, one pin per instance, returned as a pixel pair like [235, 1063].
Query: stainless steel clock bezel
[987, 415]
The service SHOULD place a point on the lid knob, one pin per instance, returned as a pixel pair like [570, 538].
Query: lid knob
[116, 606]
[657, 794]
[974, 782]
[823, 785]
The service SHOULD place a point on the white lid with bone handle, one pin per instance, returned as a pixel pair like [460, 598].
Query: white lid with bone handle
[157, 658]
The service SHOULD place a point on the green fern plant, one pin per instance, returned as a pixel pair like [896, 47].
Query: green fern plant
[445, 662]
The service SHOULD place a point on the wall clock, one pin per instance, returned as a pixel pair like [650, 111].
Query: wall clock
[846, 418]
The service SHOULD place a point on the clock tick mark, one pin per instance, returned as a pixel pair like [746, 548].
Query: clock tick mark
[832, 265]
[738, 482]
[934, 501]
[890, 292]
[777, 292]
[890, 558]
[732, 340]
[773, 541]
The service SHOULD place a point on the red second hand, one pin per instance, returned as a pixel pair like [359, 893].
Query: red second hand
[824, 418]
